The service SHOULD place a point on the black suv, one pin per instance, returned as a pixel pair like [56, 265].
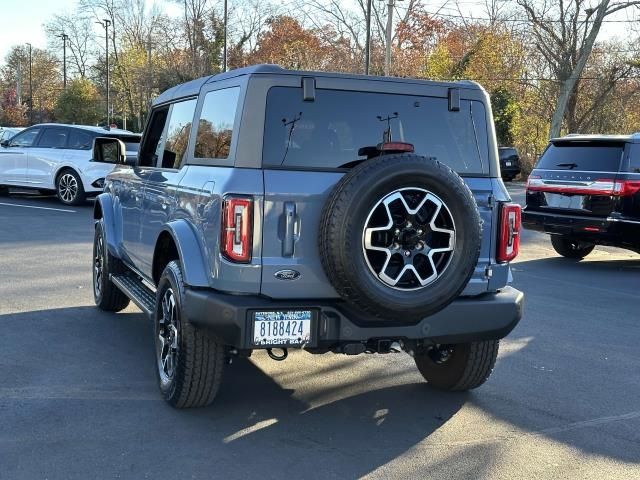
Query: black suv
[509, 163]
[585, 191]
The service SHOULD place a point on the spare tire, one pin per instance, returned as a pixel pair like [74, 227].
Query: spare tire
[400, 237]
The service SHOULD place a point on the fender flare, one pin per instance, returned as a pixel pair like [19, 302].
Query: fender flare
[186, 241]
[103, 209]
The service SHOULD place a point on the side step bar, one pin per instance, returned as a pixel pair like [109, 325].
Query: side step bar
[136, 290]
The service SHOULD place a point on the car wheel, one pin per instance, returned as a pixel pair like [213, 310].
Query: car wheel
[69, 188]
[571, 248]
[189, 360]
[105, 294]
[4, 190]
[400, 237]
[457, 367]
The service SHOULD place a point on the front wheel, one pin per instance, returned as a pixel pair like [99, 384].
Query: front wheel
[105, 294]
[459, 367]
[69, 188]
[570, 248]
[189, 360]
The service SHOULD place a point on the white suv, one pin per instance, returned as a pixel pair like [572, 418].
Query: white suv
[57, 157]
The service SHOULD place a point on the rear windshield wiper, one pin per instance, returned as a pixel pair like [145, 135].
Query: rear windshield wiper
[568, 165]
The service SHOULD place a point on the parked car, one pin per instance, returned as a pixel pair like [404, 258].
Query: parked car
[509, 163]
[585, 191]
[55, 157]
[275, 209]
[7, 132]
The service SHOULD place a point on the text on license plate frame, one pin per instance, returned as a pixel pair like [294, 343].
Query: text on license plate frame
[293, 328]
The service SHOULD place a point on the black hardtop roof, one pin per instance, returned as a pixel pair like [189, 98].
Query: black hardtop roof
[597, 138]
[192, 88]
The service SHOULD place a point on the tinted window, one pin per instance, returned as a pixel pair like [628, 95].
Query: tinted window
[215, 128]
[329, 131]
[634, 158]
[79, 140]
[508, 152]
[175, 145]
[586, 156]
[53, 138]
[26, 138]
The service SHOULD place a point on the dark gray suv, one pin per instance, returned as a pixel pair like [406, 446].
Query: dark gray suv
[274, 209]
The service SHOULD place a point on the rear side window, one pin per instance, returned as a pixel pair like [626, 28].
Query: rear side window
[584, 156]
[328, 132]
[634, 158]
[53, 138]
[215, 128]
[79, 140]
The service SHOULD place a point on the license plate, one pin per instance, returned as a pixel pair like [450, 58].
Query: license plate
[557, 200]
[278, 328]
[508, 164]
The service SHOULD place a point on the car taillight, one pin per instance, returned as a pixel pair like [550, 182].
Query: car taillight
[509, 232]
[237, 229]
[602, 186]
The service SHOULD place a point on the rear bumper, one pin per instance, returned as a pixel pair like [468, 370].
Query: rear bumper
[573, 225]
[489, 316]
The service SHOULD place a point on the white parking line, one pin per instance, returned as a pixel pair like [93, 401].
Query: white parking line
[40, 208]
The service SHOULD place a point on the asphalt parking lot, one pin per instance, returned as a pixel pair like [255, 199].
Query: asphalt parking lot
[78, 397]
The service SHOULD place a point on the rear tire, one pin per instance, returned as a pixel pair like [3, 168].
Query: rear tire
[458, 367]
[570, 248]
[189, 360]
[105, 294]
[69, 188]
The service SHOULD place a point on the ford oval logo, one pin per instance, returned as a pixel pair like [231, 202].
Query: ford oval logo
[287, 274]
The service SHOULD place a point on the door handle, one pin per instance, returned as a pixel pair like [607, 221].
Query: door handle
[288, 240]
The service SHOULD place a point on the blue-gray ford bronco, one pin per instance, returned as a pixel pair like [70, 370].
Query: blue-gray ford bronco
[275, 209]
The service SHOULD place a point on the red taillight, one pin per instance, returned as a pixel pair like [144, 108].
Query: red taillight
[603, 187]
[626, 188]
[237, 229]
[509, 233]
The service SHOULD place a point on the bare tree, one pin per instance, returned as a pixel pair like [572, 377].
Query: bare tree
[79, 30]
[565, 33]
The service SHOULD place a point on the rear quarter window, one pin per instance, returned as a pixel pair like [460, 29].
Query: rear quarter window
[582, 156]
[328, 132]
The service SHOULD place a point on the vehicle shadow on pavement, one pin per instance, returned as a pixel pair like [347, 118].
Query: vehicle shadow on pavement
[79, 384]
[93, 395]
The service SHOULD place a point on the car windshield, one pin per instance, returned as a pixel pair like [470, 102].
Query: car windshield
[584, 156]
[329, 131]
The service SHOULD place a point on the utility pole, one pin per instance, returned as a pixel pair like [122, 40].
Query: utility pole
[105, 24]
[30, 88]
[64, 38]
[19, 84]
[224, 60]
[387, 56]
[367, 47]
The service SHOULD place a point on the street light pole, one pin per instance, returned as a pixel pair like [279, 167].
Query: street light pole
[224, 60]
[106, 24]
[367, 47]
[30, 88]
[64, 37]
